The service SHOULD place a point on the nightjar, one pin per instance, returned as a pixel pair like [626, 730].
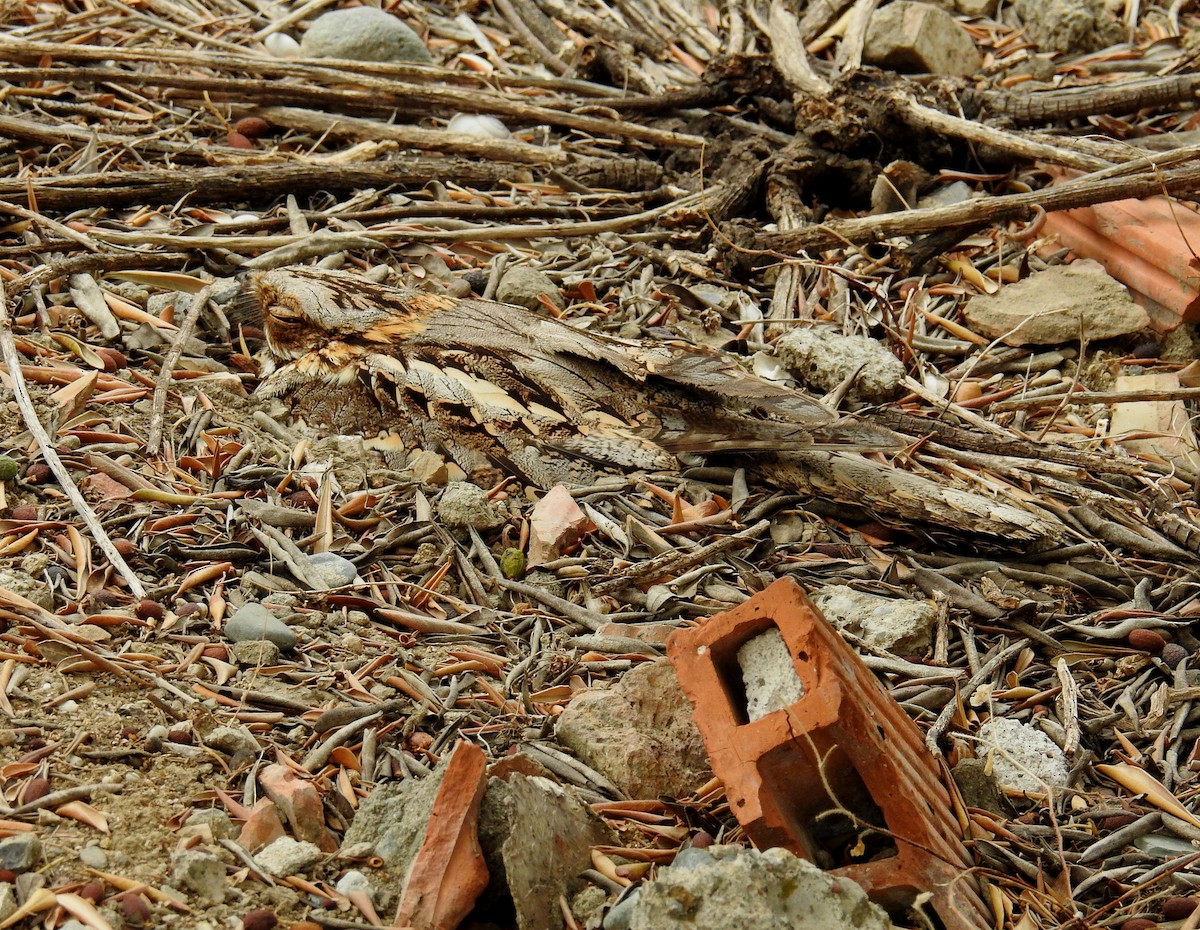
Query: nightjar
[493, 385]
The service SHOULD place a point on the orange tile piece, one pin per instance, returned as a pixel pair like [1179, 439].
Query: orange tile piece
[816, 775]
[449, 872]
[1148, 245]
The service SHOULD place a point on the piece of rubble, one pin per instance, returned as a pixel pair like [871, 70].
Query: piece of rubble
[449, 872]
[466, 504]
[300, 804]
[911, 37]
[890, 803]
[1158, 428]
[556, 525]
[639, 734]
[823, 359]
[27, 587]
[1061, 304]
[287, 856]
[200, 872]
[537, 837]
[1024, 759]
[768, 674]
[1074, 26]
[904, 627]
[733, 888]
[525, 287]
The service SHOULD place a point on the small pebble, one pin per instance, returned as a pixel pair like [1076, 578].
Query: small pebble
[479, 125]
[1147, 641]
[94, 857]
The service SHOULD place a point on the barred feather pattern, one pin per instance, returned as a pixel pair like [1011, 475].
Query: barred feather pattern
[492, 385]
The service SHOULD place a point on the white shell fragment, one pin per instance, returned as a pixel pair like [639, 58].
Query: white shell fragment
[478, 124]
[282, 45]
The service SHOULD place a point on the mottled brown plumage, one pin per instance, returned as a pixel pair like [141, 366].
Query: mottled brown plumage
[492, 385]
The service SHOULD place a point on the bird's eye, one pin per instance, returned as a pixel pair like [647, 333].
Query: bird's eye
[285, 316]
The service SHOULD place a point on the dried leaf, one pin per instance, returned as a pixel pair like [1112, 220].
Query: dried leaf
[1139, 781]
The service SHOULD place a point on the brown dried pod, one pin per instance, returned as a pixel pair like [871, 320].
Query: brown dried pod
[1147, 641]
[238, 141]
[113, 360]
[252, 127]
[261, 918]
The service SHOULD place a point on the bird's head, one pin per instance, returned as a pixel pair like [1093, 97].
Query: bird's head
[307, 310]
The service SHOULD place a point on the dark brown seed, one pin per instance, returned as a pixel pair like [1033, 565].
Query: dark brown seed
[217, 652]
[262, 918]
[8, 875]
[1116, 821]
[37, 787]
[37, 473]
[1173, 654]
[92, 891]
[149, 610]
[1139, 923]
[238, 141]
[1178, 907]
[125, 547]
[702, 839]
[1147, 641]
[252, 127]
[24, 512]
[134, 908]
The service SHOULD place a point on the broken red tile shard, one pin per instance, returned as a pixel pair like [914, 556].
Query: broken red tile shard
[839, 776]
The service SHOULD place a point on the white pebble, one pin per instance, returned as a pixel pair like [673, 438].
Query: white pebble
[477, 124]
[281, 45]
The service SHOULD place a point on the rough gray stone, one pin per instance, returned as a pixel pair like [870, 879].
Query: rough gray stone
[28, 587]
[824, 359]
[286, 856]
[219, 822]
[362, 34]
[978, 788]
[391, 823]
[919, 37]
[1058, 305]
[537, 838]
[732, 888]
[231, 740]
[330, 570]
[523, 286]
[200, 872]
[253, 622]
[256, 652]
[8, 900]
[465, 504]
[1023, 757]
[21, 852]
[639, 734]
[769, 674]
[1070, 25]
[93, 857]
[901, 626]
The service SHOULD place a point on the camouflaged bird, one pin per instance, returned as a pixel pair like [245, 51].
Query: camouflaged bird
[493, 385]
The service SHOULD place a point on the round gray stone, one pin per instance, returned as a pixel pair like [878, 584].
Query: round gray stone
[330, 570]
[362, 34]
[253, 621]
